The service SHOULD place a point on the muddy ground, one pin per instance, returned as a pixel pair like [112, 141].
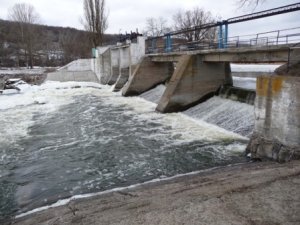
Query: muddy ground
[261, 193]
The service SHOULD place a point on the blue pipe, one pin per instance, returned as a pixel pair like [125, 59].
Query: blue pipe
[226, 35]
[168, 46]
[220, 43]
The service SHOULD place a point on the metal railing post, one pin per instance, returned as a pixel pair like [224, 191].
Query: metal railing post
[220, 44]
[226, 35]
[153, 45]
[256, 39]
[168, 47]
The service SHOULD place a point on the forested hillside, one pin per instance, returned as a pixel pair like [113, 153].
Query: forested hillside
[52, 46]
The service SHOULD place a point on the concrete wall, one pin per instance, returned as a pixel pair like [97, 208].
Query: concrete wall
[78, 65]
[137, 51]
[124, 69]
[130, 56]
[96, 67]
[112, 65]
[277, 119]
[2, 84]
[193, 81]
[63, 76]
[86, 70]
[147, 75]
[115, 65]
[106, 66]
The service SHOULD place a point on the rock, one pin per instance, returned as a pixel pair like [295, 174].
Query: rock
[265, 149]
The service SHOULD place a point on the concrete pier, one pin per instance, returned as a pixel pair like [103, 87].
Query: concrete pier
[124, 67]
[122, 79]
[277, 119]
[193, 81]
[130, 56]
[115, 66]
[147, 75]
[104, 63]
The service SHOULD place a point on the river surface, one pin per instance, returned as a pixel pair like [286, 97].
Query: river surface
[64, 139]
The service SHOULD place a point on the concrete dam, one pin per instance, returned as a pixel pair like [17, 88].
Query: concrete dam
[191, 78]
[156, 131]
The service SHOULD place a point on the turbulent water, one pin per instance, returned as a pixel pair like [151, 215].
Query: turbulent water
[154, 94]
[228, 114]
[63, 139]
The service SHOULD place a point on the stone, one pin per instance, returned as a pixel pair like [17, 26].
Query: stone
[285, 154]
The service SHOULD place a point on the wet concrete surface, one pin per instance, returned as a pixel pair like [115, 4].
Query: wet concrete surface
[260, 193]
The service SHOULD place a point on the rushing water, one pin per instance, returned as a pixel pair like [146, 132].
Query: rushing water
[65, 139]
[228, 114]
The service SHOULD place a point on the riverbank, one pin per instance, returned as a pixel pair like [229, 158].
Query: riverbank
[31, 76]
[252, 194]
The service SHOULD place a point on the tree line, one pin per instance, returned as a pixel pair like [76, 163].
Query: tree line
[191, 18]
[24, 42]
[47, 46]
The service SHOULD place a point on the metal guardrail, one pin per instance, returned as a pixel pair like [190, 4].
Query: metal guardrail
[270, 38]
[178, 40]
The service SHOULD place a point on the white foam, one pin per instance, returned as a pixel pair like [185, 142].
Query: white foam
[190, 129]
[244, 82]
[253, 67]
[16, 110]
[231, 115]
[155, 94]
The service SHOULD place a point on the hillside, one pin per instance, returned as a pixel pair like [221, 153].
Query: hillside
[52, 46]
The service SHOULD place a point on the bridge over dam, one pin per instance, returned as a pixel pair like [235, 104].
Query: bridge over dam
[197, 74]
[194, 71]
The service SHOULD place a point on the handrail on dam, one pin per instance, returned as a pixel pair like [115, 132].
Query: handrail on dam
[265, 39]
[215, 35]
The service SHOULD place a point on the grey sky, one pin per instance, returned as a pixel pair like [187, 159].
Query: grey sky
[126, 15]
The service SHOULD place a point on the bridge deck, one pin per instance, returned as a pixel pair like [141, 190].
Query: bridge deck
[265, 54]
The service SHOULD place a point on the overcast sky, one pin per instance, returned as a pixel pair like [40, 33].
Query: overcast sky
[127, 15]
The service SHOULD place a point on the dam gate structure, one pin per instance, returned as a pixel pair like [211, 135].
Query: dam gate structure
[194, 70]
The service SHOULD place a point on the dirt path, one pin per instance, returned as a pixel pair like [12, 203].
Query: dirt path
[252, 194]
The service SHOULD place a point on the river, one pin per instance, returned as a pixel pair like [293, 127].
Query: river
[64, 139]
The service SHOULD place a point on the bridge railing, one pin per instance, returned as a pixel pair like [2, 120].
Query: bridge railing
[179, 43]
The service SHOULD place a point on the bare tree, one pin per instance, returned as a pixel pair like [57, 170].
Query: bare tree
[156, 27]
[249, 3]
[191, 18]
[26, 16]
[95, 19]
